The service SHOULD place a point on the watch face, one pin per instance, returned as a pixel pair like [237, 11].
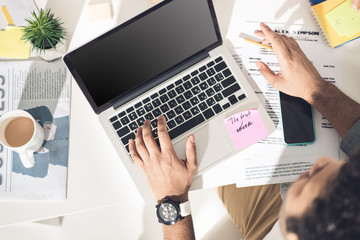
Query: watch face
[168, 213]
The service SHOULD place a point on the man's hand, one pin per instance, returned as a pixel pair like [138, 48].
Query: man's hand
[297, 77]
[355, 4]
[167, 175]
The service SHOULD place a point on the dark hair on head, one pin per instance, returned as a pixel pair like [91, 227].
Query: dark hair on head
[337, 214]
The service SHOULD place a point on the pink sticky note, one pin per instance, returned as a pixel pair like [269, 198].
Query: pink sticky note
[246, 128]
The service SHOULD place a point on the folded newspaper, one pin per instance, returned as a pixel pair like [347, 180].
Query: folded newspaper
[42, 89]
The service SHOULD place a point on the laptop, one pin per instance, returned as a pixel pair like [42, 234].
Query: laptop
[168, 60]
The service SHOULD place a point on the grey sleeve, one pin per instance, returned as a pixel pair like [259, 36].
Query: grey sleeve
[351, 142]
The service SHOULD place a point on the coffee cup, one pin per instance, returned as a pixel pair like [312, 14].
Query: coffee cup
[20, 132]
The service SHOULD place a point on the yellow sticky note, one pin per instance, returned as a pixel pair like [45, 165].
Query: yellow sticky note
[11, 46]
[344, 19]
[7, 15]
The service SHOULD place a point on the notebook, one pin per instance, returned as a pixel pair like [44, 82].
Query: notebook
[337, 21]
[170, 61]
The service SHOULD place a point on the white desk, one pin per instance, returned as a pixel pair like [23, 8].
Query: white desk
[96, 177]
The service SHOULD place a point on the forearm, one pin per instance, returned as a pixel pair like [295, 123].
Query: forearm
[183, 229]
[338, 108]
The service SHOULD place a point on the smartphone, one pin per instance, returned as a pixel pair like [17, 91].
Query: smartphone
[297, 120]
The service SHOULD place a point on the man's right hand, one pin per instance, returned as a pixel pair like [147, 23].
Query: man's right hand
[297, 77]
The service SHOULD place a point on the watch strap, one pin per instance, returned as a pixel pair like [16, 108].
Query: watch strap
[185, 209]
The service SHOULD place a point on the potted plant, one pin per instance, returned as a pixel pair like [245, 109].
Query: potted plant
[46, 34]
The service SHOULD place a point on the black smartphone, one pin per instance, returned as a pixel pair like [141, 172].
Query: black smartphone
[297, 120]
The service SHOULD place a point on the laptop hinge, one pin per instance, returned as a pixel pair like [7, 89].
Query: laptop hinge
[146, 87]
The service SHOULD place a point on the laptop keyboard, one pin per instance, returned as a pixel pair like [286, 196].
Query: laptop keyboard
[186, 103]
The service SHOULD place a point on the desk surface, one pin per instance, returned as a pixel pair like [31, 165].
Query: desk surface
[96, 177]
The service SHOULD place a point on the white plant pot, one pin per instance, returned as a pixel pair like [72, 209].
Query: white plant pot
[52, 54]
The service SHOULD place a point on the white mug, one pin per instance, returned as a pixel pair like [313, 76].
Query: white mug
[20, 132]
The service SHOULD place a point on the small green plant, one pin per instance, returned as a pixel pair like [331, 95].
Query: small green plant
[43, 30]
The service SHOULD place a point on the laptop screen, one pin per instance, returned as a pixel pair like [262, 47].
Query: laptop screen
[125, 60]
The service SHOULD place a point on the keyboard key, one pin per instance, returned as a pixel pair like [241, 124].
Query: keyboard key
[186, 105]
[194, 73]
[187, 115]
[203, 76]
[179, 89]
[164, 108]
[171, 86]
[220, 66]
[123, 131]
[210, 92]
[202, 96]
[162, 91]
[210, 72]
[203, 85]
[196, 90]
[180, 99]
[227, 82]
[218, 87]
[210, 102]
[187, 85]
[170, 114]
[156, 112]
[116, 125]
[164, 98]
[202, 106]
[171, 124]
[113, 119]
[226, 72]
[233, 99]
[219, 77]
[120, 115]
[179, 120]
[155, 95]
[193, 122]
[148, 107]
[217, 108]
[149, 116]
[156, 102]
[195, 111]
[140, 111]
[218, 59]
[209, 113]
[179, 109]
[125, 140]
[227, 92]
[172, 94]
[146, 100]
[210, 64]
[154, 123]
[139, 104]
[194, 101]
[130, 109]
[188, 94]
[133, 126]
[125, 120]
[241, 97]
[218, 97]
[154, 133]
[172, 103]
[227, 105]
[187, 77]
[211, 81]
[140, 121]
[195, 80]
[133, 116]
[202, 68]
[178, 82]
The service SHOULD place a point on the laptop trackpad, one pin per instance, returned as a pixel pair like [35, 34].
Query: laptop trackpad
[211, 146]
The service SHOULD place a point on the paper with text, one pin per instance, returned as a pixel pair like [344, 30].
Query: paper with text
[246, 128]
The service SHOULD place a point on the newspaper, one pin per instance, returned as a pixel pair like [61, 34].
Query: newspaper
[43, 90]
[277, 162]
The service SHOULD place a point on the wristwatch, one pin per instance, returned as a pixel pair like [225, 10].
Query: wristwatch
[169, 212]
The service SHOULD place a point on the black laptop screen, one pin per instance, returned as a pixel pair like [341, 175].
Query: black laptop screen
[135, 53]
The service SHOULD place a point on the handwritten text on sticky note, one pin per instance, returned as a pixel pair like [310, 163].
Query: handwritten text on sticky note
[246, 128]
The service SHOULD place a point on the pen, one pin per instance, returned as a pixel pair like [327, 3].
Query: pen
[259, 44]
